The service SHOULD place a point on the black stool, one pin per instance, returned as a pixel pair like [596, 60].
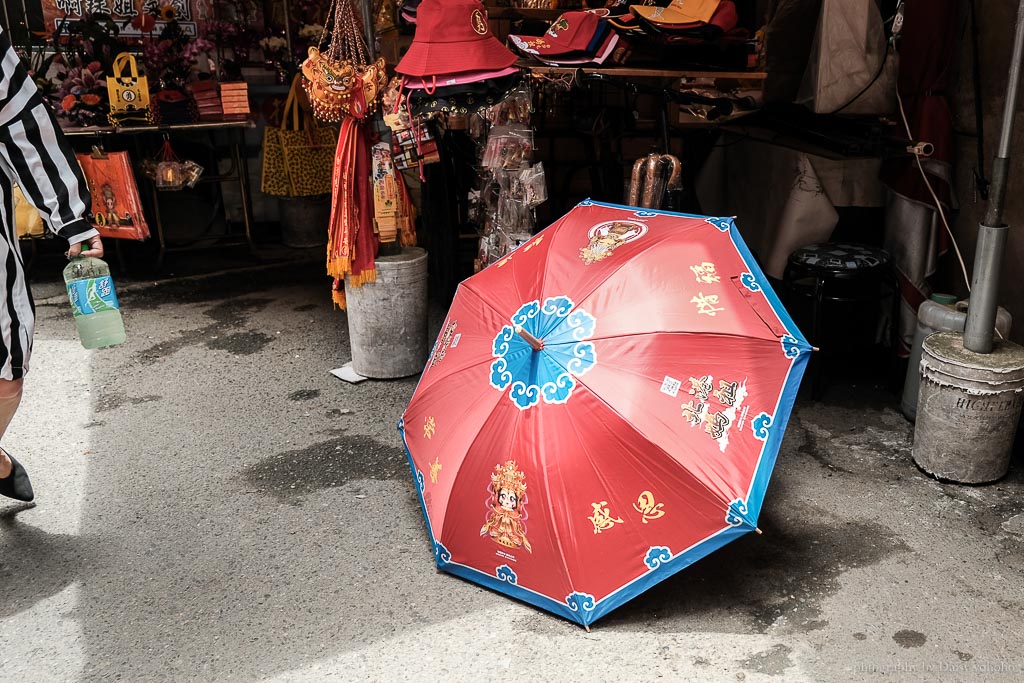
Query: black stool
[842, 284]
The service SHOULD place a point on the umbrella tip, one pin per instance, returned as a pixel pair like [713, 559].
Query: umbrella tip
[815, 349]
[757, 531]
[586, 627]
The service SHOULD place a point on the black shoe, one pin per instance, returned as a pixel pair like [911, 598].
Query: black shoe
[16, 484]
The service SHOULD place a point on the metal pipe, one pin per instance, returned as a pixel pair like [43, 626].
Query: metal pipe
[286, 7]
[992, 233]
[366, 7]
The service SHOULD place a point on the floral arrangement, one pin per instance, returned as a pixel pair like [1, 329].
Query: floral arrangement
[83, 95]
[170, 58]
[73, 78]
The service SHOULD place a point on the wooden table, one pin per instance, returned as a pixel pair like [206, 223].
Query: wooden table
[238, 172]
[643, 72]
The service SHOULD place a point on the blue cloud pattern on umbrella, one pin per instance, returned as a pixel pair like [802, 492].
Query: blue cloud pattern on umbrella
[790, 346]
[761, 424]
[750, 282]
[550, 373]
[657, 556]
[505, 573]
[580, 602]
[737, 513]
[441, 554]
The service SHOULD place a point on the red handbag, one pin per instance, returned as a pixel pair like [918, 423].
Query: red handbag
[116, 205]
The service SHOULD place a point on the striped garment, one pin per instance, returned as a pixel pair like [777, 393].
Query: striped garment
[35, 155]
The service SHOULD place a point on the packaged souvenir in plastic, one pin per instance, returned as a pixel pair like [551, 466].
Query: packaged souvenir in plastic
[534, 185]
[509, 148]
[514, 109]
[192, 172]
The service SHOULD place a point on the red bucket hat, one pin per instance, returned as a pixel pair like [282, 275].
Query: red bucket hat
[453, 36]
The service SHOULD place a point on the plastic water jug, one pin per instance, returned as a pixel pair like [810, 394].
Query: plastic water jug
[94, 302]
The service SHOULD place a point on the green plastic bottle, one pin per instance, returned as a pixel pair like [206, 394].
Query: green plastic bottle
[94, 302]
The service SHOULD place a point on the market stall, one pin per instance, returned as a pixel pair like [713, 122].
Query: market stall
[464, 128]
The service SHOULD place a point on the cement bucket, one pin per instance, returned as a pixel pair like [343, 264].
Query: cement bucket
[935, 317]
[387, 319]
[968, 409]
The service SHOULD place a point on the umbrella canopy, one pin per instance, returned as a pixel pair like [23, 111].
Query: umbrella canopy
[602, 408]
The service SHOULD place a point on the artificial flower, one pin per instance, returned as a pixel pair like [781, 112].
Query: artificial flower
[95, 67]
[91, 99]
[168, 13]
[144, 23]
[68, 103]
[311, 31]
[273, 44]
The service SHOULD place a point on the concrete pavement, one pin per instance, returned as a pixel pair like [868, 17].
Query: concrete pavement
[214, 506]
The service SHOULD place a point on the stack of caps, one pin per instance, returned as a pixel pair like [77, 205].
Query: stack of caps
[682, 21]
[234, 98]
[408, 10]
[575, 38]
[455, 64]
[207, 97]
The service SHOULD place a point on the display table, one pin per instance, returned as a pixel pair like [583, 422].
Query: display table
[643, 72]
[238, 172]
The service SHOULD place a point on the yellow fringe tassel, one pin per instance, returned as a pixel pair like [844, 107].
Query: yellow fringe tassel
[338, 293]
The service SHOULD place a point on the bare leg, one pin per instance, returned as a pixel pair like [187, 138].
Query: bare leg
[10, 398]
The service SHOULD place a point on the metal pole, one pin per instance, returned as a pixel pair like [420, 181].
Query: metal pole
[286, 6]
[366, 7]
[992, 232]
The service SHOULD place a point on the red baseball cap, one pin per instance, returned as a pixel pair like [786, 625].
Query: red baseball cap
[453, 36]
[571, 32]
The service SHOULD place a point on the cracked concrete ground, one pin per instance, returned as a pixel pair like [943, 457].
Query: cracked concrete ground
[214, 506]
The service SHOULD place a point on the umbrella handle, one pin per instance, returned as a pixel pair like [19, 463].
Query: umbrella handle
[535, 344]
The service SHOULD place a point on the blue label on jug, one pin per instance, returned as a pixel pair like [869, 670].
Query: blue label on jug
[92, 295]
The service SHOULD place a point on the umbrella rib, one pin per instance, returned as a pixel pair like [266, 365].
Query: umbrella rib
[485, 302]
[490, 358]
[728, 335]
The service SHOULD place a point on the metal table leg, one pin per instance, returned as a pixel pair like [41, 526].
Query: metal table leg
[242, 166]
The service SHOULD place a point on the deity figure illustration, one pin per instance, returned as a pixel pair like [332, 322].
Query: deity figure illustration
[506, 514]
[605, 238]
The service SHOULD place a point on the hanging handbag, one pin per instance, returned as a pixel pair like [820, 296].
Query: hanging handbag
[298, 155]
[26, 218]
[341, 81]
[116, 206]
[128, 92]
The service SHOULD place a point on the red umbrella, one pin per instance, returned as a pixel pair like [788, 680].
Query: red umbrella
[602, 408]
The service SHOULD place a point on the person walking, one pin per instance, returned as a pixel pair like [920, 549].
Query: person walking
[36, 156]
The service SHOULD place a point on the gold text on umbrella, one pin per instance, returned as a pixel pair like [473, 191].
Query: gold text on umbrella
[602, 517]
[706, 273]
[646, 506]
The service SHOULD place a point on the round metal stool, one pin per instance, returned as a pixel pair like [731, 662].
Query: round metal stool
[840, 288]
